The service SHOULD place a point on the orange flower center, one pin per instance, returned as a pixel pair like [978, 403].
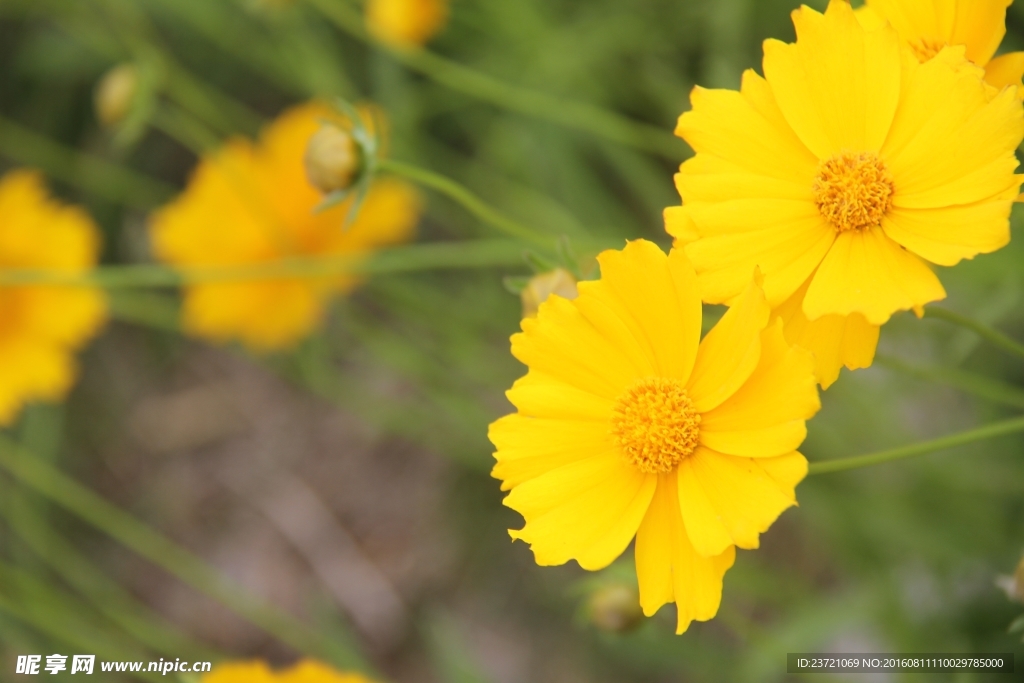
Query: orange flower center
[655, 425]
[926, 48]
[853, 190]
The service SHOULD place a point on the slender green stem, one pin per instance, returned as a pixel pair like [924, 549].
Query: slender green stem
[468, 200]
[411, 258]
[991, 431]
[968, 382]
[102, 178]
[990, 335]
[181, 126]
[575, 115]
[105, 594]
[65, 492]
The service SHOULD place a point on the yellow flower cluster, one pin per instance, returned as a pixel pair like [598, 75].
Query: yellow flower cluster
[251, 203]
[306, 671]
[819, 198]
[42, 326]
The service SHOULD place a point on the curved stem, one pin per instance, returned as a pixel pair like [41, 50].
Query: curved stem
[418, 257]
[968, 382]
[577, 115]
[990, 335]
[104, 179]
[987, 432]
[468, 200]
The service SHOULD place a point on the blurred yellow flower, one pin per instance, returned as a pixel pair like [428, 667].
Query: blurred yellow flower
[306, 671]
[629, 425]
[930, 25]
[252, 203]
[842, 174]
[42, 326]
[559, 282]
[407, 23]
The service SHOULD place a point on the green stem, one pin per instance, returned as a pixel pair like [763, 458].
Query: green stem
[968, 382]
[133, 534]
[411, 258]
[105, 595]
[990, 335]
[468, 200]
[576, 115]
[184, 128]
[1003, 428]
[102, 178]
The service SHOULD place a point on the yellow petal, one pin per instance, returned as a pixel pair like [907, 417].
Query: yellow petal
[529, 447]
[866, 272]
[588, 510]
[952, 141]
[727, 500]
[833, 340]
[765, 418]
[977, 24]
[669, 569]
[839, 85]
[538, 395]
[657, 297]
[32, 371]
[1005, 70]
[730, 351]
[785, 239]
[562, 343]
[728, 125]
[947, 235]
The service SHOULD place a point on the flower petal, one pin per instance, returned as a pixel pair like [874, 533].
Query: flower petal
[727, 500]
[588, 510]
[785, 239]
[539, 395]
[953, 139]
[657, 297]
[669, 569]
[562, 343]
[730, 351]
[1005, 70]
[765, 418]
[946, 236]
[866, 272]
[528, 447]
[833, 340]
[839, 84]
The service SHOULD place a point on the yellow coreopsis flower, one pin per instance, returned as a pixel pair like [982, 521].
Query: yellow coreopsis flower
[629, 425]
[306, 671]
[406, 23]
[42, 326]
[248, 204]
[842, 174]
[930, 25]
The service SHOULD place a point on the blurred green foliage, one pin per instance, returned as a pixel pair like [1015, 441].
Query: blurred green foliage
[901, 557]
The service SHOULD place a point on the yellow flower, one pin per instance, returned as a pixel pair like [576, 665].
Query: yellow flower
[406, 23]
[842, 174]
[930, 25]
[42, 326]
[248, 204]
[629, 425]
[306, 671]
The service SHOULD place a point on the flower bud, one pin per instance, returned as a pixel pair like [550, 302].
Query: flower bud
[615, 608]
[558, 281]
[332, 159]
[115, 93]
[406, 22]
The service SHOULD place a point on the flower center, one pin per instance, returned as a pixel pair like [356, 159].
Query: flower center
[926, 48]
[853, 190]
[655, 425]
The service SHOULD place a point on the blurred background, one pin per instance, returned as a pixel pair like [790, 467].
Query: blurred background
[346, 482]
